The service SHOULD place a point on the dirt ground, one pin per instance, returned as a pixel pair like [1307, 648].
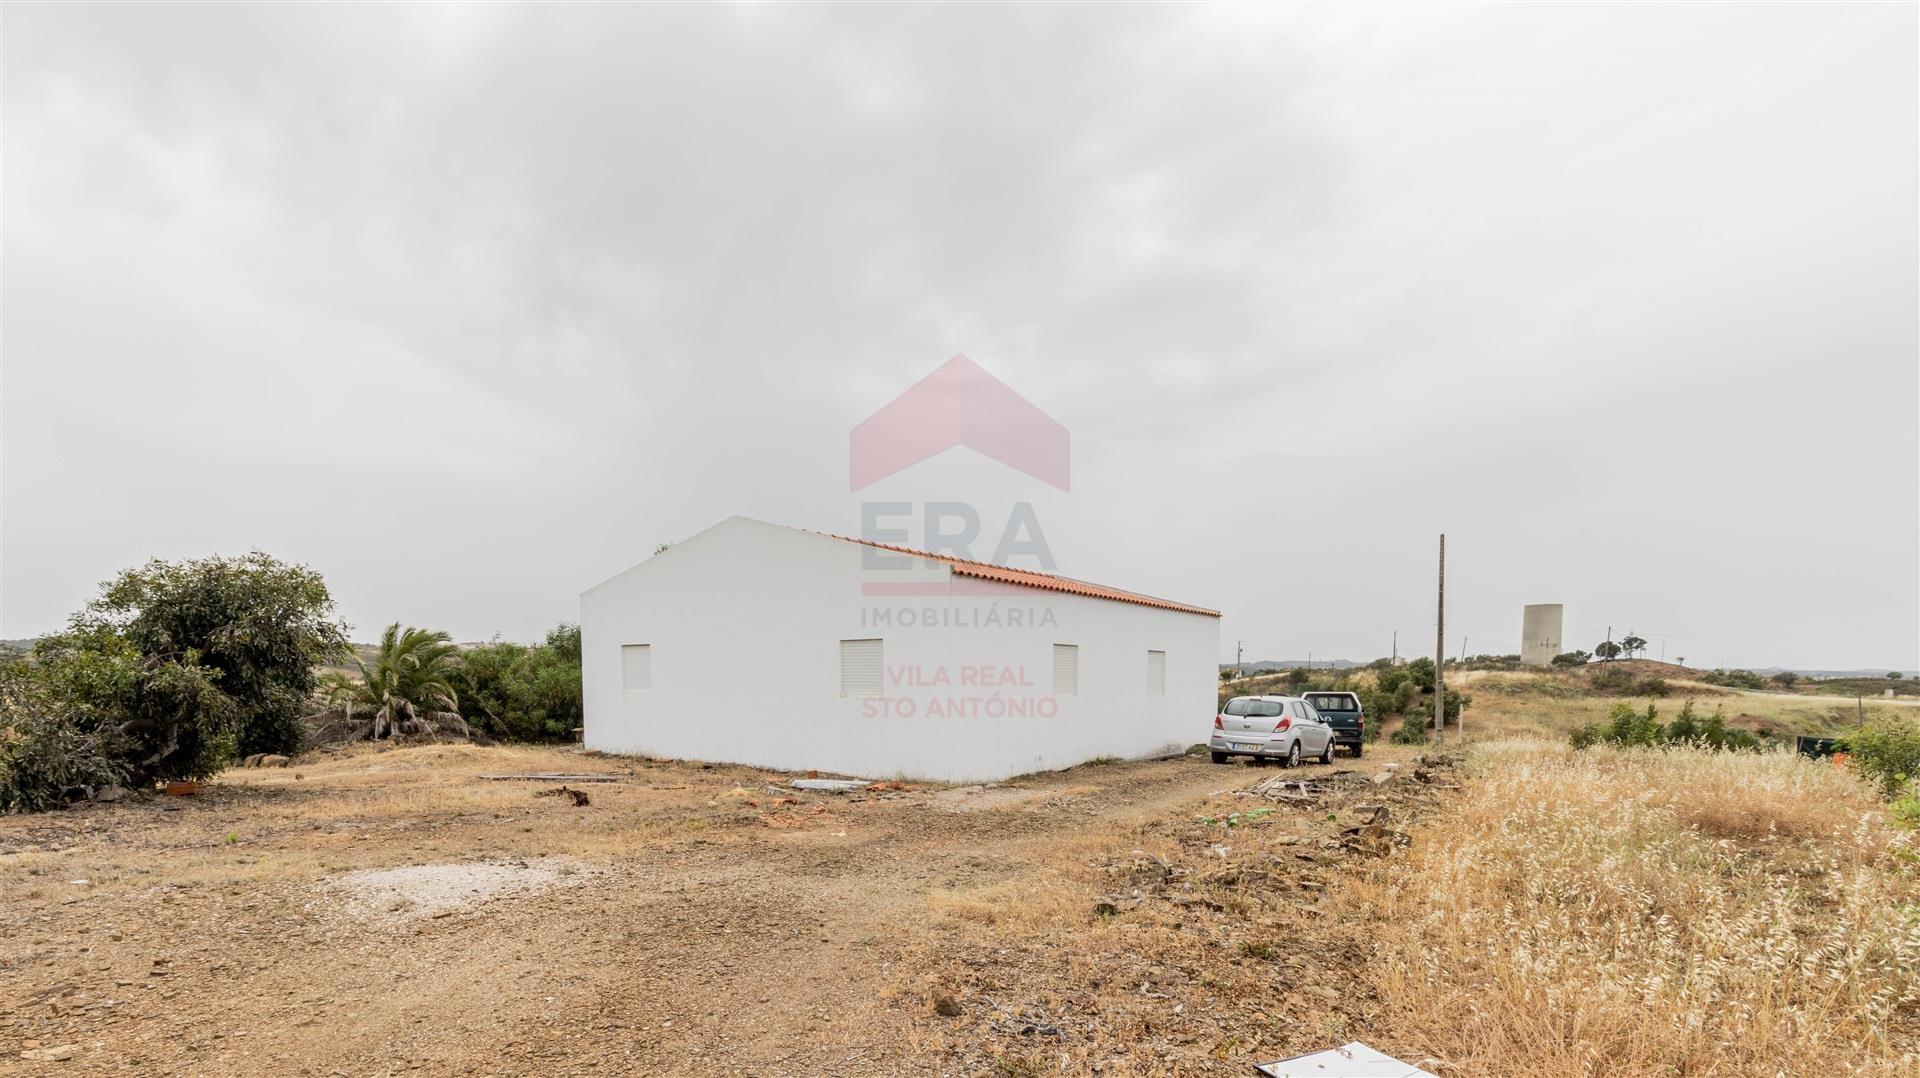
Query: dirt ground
[392, 910]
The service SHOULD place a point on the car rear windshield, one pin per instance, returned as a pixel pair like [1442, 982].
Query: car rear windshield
[1248, 707]
[1334, 702]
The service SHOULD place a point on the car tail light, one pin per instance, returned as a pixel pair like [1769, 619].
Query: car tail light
[1284, 724]
[1217, 723]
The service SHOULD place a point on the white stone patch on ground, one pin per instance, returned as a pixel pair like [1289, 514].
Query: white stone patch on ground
[983, 798]
[416, 891]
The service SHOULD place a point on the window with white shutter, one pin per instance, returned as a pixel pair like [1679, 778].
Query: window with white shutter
[862, 668]
[636, 667]
[1066, 669]
[1156, 673]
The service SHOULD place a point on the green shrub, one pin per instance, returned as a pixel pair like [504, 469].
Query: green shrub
[1734, 679]
[46, 751]
[1887, 751]
[517, 692]
[1628, 726]
[1906, 811]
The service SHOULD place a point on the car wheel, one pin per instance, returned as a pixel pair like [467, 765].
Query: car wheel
[1358, 750]
[1326, 757]
[1219, 757]
[1293, 755]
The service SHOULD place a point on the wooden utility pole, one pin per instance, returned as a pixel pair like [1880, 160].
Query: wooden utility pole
[1239, 651]
[1395, 661]
[1440, 651]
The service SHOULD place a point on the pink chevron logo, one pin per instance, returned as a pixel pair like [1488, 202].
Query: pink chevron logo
[959, 404]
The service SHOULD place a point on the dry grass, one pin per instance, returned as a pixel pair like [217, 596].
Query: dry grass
[1642, 913]
[1551, 705]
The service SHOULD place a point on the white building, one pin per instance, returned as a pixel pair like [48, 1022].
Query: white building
[760, 644]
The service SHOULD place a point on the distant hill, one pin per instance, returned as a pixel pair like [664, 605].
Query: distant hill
[1769, 671]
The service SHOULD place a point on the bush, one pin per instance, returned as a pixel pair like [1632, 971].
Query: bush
[1413, 731]
[1612, 681]
[1734, 679]
[1571, 658]
[1887, 751]
[1627, 726]
[162, 717]
[47, 754]
[1906, 811]
[255, 627]
[1785, 679]
[517, 692]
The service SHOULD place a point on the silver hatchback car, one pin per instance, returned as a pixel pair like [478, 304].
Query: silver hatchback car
[1285, 728]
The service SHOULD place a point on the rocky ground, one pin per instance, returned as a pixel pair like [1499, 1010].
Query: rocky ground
[393, 910]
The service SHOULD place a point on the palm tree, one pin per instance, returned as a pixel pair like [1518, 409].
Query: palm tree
[404, 692]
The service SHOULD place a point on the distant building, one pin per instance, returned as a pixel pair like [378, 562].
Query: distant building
[1540, 634]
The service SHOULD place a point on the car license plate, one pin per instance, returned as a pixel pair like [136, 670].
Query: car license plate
[1246, 748]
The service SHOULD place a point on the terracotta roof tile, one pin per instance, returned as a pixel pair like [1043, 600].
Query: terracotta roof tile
[1029, 579]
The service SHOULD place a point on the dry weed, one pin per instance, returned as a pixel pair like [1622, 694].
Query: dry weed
[1649, 912]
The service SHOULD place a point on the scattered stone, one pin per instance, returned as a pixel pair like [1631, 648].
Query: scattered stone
[946, 1007]
[51, 1055]
[831, 786]
[109, 794]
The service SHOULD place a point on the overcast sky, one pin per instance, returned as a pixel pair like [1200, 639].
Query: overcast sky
[470, 307]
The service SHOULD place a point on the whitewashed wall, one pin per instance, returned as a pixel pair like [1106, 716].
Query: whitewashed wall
[745, 620]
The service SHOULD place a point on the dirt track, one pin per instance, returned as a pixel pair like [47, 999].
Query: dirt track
[692, 924]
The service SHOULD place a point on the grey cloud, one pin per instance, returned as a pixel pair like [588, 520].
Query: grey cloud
[470, 307]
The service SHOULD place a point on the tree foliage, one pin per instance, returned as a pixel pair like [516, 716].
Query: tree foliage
[1571, 658]
[254, 626]
[407, 691]
[517, 692]
[46, 750]
[178, 664]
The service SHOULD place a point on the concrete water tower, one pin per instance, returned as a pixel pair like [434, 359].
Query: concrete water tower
[1540, 634]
